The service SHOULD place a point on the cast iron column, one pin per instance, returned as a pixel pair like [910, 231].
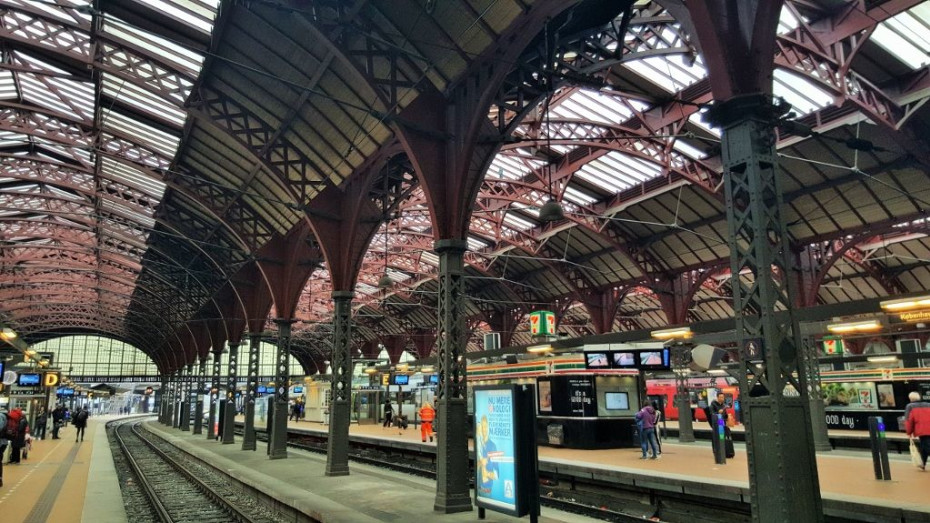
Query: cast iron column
[811, 352]
[198, 398]
[214, 393]
[452, 471]
[175, 394]
[682, 397]
[229, 420]
[277, 432]
[248, 435]
[163, 400]
[783, 479]
[337, 447]
[186, 399]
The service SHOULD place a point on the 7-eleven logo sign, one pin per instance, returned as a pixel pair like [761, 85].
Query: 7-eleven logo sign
[542, 323]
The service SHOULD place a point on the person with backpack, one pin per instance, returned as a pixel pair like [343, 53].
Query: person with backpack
[80, 422]
[58, 419]
[16, 428]
[646, 420]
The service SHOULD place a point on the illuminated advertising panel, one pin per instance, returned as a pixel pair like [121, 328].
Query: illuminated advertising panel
[496, 481]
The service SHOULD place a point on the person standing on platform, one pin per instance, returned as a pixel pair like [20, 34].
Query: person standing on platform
[647, 436]
[41, 423]
[719, 408]
[295, 412]
[58, 418]
[917, 423]
[16, 428]
[427, 415]
[388, 413]
[3, 442]
[80, 423]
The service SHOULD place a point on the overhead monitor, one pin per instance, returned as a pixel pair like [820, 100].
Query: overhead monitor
[434, 379]
[28, 380]
[400, 379]
[298, 390]
[65, 391]
[261, 389]
[654, 360]
[624, 360]
[617, 400]
[597, 360]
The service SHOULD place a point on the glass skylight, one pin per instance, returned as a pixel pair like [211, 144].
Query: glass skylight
[671, 72]
[616, 171]
[907, 36]
[802, 94]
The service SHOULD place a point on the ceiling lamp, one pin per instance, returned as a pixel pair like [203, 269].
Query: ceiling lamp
[882, 359]
[8, 334]
[855, 326]
[370, 369]
[426, 368]
[551, 211]
[670, 334]
[539, 348]
[385, 281]
[905, 304]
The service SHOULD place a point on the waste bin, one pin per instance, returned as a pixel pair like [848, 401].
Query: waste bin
[637, 439]
[556, 434]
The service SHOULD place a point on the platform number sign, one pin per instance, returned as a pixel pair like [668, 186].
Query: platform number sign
[542, 323]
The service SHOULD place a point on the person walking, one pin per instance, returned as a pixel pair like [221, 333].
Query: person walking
[58, 418]
[917, 423]
[80, 423]
[647, 418]
[427, 415]
[388, 414]
[16, 428]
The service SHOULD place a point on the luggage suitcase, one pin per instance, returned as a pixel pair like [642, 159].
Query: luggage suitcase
[728, 442]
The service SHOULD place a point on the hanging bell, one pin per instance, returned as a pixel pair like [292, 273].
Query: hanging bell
[551, 211]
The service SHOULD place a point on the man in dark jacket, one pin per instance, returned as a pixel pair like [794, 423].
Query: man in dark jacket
[80, 422]
[58, 418]
[917, 421]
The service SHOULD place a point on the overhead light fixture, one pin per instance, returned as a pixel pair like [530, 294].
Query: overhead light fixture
[670, 334]
[31, 353]
[403, 367]
[8, 334]
[905, 304]
[370, 369]
[855, 326]
[882, 359]
[539, 348]
[427, 368]
[551, 211]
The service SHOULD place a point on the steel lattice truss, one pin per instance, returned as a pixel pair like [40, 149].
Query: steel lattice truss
[159, 155]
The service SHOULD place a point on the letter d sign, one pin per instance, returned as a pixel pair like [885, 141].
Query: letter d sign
[51, 379]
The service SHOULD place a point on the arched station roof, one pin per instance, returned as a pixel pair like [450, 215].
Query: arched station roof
[167, 164]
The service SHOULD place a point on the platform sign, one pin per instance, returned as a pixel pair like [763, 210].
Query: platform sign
[542, 323]
[505, 449]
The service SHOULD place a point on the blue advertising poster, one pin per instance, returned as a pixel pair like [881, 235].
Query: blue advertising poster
[495, 437]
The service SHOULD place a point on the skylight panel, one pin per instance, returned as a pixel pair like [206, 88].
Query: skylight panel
[125, 211]
[364, 288]
[429, 258]
[397, 276]
[133, 178]
[196, 13]
[186, 60]
[687, 149]
[143, 100]
[39, 94]
[516, 222]
[577, 196]
[475, 244]
[7, 85]
[163, 142]
[787, 22]
[907, 36]
[698, 120]
[670, 72]
[803, 95]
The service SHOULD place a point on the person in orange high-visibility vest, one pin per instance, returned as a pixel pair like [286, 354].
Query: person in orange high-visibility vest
[427, 415]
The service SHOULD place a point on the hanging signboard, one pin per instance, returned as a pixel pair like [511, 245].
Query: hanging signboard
[542, 323]
[505, 450]
[832, 345]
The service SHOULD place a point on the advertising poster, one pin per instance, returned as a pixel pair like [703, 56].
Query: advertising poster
[581, 396]
[544, 387]
[886, 395]
[854, 395]
[495, 470]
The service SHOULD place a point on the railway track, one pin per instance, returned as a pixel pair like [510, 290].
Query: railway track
[163, 489]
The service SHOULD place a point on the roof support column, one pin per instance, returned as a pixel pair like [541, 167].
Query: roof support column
[214, 392]
[783, 479]
[229, 418]
[811, 352]
[248, 435]
[162, 396]
[452, 494]
[682, 357]
[175, 394]
[186, 398]
[277, 432]
[337, 446]
[198, 401]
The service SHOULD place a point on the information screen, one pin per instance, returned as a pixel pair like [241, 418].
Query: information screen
[597, 360]
[654, 360]
[400, 379]
[261, 389]
[617, 400]
[298, 390]
[495, 449]
[28, 380]
[624, 360]
[434, 379]
[65, 391]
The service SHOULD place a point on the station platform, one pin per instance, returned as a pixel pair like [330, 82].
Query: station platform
[64, 481]
[368, 494]
[846, 476]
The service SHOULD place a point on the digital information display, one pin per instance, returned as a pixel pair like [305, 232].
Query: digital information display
[261, 389]
[298, 390]
[597, 360]
[654, 360]
[434, 379]
[401, 379]
[28, 380]
[65, 391]
[623, 360]
[617, 400]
